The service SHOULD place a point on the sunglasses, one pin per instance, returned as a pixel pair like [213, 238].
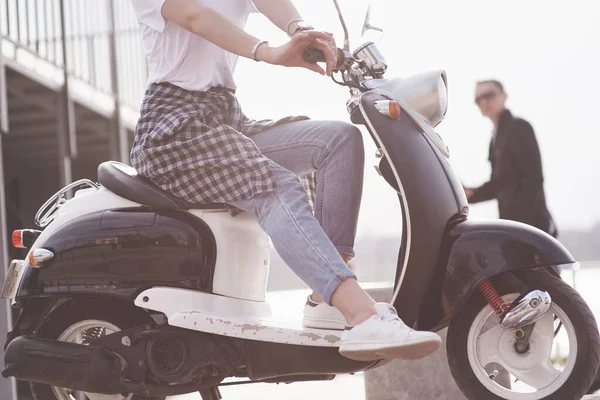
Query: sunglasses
[485, 96]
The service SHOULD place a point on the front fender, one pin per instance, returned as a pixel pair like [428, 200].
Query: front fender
[483, 249]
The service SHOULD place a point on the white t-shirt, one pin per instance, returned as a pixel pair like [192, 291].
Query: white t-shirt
[177, 56]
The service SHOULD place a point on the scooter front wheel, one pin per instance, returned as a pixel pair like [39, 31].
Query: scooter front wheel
[558, 361]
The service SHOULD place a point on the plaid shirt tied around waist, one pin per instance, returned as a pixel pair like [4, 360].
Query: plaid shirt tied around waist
[197, 146]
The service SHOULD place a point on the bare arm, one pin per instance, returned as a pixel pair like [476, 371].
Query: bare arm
[209, 24]
[212, 26]
[280, 12]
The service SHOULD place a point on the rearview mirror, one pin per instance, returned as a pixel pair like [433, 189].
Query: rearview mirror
[367, 26]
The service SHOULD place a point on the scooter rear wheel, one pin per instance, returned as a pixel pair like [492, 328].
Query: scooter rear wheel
[74, 322]
[476, 342]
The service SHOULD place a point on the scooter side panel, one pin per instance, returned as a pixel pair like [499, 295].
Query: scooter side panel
[243, 254]
[429, 196]
[121, 252]
[483, 249]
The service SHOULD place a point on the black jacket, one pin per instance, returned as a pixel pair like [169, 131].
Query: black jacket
[517, 179]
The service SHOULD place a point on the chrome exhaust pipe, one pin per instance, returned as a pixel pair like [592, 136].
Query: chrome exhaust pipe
[527, 309]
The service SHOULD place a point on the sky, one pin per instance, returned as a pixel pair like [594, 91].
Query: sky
[546, 53]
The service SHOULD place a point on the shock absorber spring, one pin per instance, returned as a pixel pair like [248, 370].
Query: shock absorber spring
[492, 297]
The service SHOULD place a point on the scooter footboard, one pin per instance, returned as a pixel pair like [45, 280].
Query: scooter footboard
[483, 249]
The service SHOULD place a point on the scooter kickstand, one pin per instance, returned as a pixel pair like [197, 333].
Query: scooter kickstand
[212, 393]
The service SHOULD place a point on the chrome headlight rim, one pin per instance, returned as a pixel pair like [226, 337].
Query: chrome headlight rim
[443, 93]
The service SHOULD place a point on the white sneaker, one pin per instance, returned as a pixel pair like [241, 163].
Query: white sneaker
[322, 316]
[385, 336]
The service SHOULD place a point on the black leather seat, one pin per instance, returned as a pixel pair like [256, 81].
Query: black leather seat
[124, 181]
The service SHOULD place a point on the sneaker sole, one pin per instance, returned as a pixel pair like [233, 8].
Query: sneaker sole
[419, 348]
[331, 324]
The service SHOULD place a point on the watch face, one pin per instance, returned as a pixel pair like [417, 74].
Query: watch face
[303, 26]
[296, 26]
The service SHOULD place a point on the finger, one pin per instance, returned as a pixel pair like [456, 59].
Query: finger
[328, 52]
[313, 67]
[313, 35]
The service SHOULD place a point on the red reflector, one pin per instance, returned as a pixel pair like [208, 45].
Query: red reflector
[17, 239]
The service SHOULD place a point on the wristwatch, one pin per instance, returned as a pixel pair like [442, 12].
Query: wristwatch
[297, 25]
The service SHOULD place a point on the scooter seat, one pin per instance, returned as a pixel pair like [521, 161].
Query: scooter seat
[124, 181]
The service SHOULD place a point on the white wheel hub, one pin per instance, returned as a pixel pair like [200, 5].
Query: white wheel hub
[533, 371]
[540, 346]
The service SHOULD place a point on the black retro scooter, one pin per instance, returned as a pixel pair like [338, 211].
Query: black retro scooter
[130, 293]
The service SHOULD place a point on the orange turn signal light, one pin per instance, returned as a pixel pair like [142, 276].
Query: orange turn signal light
[388, 108]
[17, 239]
[24, 238]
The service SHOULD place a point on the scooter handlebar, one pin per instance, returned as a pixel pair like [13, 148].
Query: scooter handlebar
[313, 56]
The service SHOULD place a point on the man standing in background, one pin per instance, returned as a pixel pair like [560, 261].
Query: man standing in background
[517, 178]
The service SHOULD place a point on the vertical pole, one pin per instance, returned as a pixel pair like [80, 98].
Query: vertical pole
[118, 136]
[65, 173]
[8, 387]
[3, 96]
[67, 145]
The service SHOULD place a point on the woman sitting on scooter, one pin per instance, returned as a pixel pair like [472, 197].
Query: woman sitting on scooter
[193, 141]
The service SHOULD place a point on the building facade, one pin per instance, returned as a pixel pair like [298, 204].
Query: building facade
[72, 75]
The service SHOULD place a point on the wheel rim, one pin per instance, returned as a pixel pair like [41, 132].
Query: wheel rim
[538, 377]
[82, 332]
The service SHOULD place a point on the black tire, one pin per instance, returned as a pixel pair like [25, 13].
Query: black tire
[122, 315]
[586, 331]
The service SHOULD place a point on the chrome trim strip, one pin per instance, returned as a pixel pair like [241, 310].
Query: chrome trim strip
[40, 256]
[402, 197]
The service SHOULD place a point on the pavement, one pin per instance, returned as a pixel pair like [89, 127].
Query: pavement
[342, 387]
[345, 387]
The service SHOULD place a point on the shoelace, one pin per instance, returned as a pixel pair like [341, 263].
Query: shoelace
[393, 318]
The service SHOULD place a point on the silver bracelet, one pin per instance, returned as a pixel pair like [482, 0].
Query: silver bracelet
[256, 46]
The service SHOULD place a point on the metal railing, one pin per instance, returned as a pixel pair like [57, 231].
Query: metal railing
[97, 34]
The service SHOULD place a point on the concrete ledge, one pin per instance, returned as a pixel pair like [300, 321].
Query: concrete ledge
[428, 378]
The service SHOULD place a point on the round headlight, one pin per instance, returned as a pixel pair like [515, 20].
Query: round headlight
[443, 93]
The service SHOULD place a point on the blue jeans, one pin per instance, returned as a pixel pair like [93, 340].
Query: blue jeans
[310, 243]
